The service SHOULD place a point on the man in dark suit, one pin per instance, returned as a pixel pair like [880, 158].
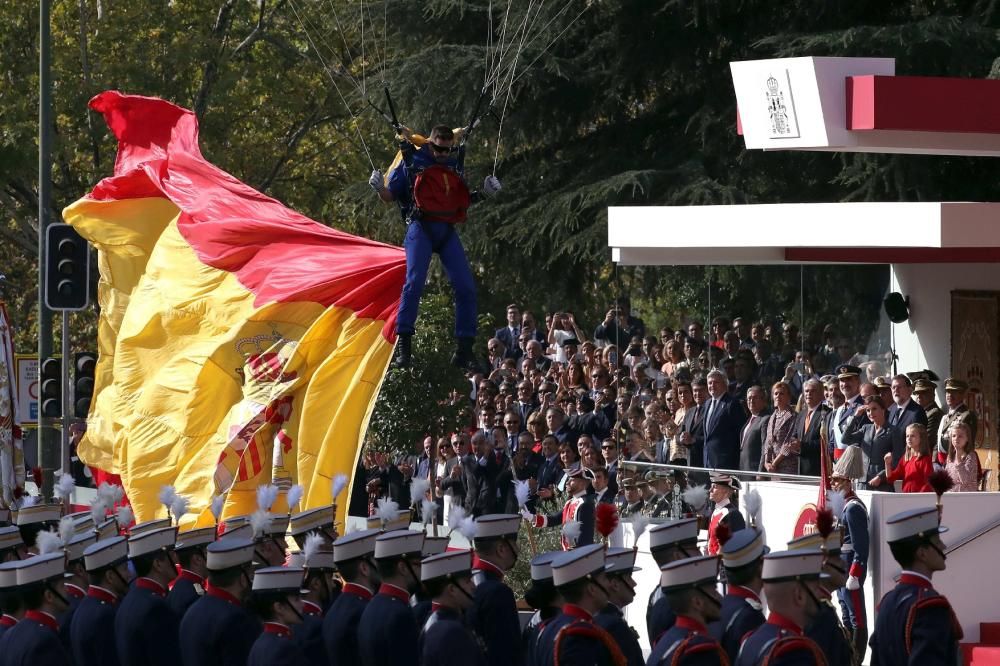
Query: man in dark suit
[550, 471]
[808, 427]
[752, 435]
[692, 430]
[904, 412]
[588, 421]
[509, 333]
[724, 420]
[481, 477]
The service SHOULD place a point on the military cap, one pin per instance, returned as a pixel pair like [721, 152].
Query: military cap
[446, 565]
[41, 568]
[689, 572]
[435, 545]
[354, 545]
[541, 566]
[881, 382]
[915, 523]
[105, 553]
[620, 560]
[814, 541]
[229, 552]
[151, 541]
[400, 543]
[10, 537]
[923, 386]
[576, 564]
[789, 565]
[313, 519]
[39, 513]
[78, 545]
[497, 525]
[8, 574]
[149, 526]
[744, 546]
[672, 533]
[846, 371]
[954, 384]
[277, 579]
[201, 536]
[725, 480]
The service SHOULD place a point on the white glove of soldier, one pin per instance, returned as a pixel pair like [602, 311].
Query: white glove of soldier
[527, 515]
[491, 186]
[853, 583]
[376, 181]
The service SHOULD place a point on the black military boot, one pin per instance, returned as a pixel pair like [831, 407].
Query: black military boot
[404, 351]
[463, 356]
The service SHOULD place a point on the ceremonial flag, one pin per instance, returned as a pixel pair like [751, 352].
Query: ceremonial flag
[240, 342]
[11, 452]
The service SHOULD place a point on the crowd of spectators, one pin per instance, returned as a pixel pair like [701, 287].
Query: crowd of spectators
[751, 396]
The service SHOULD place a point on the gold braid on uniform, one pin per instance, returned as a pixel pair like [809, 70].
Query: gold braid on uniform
[784, 645]
[933, 601]
[682, 651]
[580, 628]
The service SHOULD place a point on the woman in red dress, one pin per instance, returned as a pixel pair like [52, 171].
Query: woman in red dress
[915, 467]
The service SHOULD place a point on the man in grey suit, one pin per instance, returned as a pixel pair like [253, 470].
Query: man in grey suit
[752, 435]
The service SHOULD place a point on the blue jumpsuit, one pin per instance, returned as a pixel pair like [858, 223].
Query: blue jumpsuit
[423, 239]
[741, 613]
[340, 625]
[687, 643]
[92, 634]
[915, 626]
[146, 630]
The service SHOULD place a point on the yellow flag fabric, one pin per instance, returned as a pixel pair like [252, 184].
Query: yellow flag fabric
[240, 343]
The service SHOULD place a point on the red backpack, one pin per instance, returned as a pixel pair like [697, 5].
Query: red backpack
[441, 195]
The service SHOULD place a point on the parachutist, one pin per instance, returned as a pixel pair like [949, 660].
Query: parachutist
[427, 183]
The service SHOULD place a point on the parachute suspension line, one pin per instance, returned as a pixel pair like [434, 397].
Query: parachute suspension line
[347, 45]
[333, 80]
[503, 71]
[498, 52]
[538, 33]
[364, 92]
[489, 44]
[513, 70]
[549, 45]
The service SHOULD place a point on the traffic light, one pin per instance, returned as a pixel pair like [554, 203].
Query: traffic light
[50, 380]
[83, 382]
[67, 268]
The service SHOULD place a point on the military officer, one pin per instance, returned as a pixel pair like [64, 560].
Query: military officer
[92, 633]
[826, 629]
[619, 566]
[35, 639]
[544, 598]
[580, 507]
[849, 378]
[854, 551]
[915, 624]
[668, 542]
[792, 588]
[955, 392]
[421, 601]
[145, 605]
[387, 632]
[573, 638]
[76, 582]
[631, 504]
[445, 639]
[742, 610]
[10, 597]
[722, 493]
[353, 555]
[924, 394]
[218, 630]
[690, 587]
[493, 616]
[189, 585]
[275, 600]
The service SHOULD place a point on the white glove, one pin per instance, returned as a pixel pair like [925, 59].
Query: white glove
[853, 583]
[491, 186]
[376, 181]
[527, 515]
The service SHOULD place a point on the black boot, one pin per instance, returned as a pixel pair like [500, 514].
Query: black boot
[860, 639]
[404, 351]
[463, 357]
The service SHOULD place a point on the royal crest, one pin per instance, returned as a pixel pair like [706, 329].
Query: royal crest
[780, 108]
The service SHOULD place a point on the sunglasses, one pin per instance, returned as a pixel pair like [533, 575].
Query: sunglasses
[441, 149]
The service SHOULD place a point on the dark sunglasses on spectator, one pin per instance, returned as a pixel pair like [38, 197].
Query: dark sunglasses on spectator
[608, 446]
[441, 149]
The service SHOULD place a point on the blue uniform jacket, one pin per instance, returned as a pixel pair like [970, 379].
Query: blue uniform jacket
[687, 643]
[387, 633]
[276, 647]
[741, 613]
[309, 634]
[217, 631]
[856, 537]
[446, 641]
[146, 630]
[33, 641]
[493, 617]
[340, 626]
[580, 642]
[399, 178]
[184, 593]
[75, 595]
[613, 621]
[92, 634]
[829, 635]
[780, 643]
[659, 617]
[915, 625]
[531, 632]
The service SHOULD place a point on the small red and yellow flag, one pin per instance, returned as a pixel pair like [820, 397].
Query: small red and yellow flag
[240, 342]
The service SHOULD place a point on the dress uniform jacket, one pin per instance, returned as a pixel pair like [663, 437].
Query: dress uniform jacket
[613, 621]
[187, 588]
[217, 631]
[340, 626]
[579, 508]
[659, 616]
[6, 622]
[446, 641]
[741, 614]
[493, 615]
[830, 636]
[688, 643]
[915, 625]
[33, 641]
[724, 513]
[532, 630]
[146, 630]
[75, 595]
[387, 633]
[961, 413]
[308, 634]
[276, 647]
[854, 553]
[779, 642]
[92, 634]
[579, 641]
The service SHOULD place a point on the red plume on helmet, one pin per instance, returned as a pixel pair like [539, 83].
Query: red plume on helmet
[605, 518]
[941, 482]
